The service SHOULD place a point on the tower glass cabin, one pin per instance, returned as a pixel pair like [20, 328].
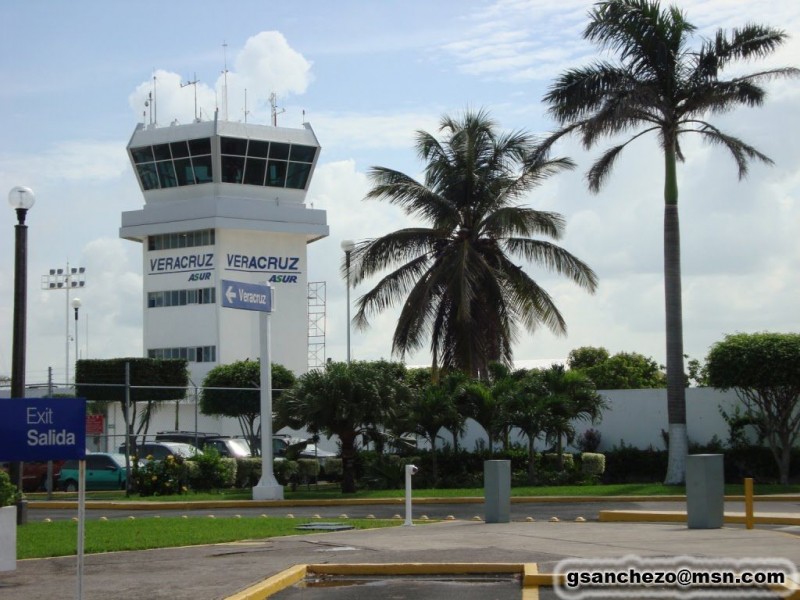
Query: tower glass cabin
[226, 201]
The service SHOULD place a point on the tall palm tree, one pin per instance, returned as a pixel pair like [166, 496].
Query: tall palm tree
[457, 278]
[661, 84]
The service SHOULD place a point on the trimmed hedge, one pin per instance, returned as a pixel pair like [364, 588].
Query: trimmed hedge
[593, 464]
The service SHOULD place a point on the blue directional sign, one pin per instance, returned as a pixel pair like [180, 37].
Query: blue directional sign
[39, 429]
[246, 296]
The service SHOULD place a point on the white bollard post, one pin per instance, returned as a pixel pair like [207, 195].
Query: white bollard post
[410, 470]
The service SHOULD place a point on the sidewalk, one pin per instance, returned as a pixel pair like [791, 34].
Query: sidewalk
[219, 571]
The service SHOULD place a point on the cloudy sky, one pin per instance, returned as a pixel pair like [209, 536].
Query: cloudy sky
[367, 75]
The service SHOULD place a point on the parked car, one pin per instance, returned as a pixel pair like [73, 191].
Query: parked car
[160, 450]
[229, 447]
[226, 445]
[34, 474]
[104, 471]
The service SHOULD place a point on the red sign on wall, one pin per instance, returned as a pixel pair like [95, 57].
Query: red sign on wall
[95, 424]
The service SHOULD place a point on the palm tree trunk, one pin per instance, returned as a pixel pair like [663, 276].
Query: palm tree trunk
[348, 463]
[434, 462]
[676, 387]
[531, 458]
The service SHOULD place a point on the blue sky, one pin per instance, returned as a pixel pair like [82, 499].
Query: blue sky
[367, 75]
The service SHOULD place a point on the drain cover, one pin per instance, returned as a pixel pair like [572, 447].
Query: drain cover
[325, 527]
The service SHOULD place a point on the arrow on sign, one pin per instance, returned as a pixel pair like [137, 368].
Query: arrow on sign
[230, 294]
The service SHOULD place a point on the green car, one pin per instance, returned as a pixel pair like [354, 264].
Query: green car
[104, 471]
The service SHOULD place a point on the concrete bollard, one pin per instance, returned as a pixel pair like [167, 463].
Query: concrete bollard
[497, 490]
[705, 491]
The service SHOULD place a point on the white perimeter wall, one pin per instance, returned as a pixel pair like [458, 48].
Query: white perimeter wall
[636, 417]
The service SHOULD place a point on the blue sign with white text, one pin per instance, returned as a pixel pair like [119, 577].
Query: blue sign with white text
[247, 296]
[40, 429]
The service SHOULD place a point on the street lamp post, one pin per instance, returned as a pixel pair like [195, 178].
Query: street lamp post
[76, 304]
[65, 279]
[348, 246]
[21, 200]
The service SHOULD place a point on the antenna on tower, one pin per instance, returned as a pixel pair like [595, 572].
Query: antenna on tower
[273, 103]
[246, 112]
[225, 81]
[194, 83]
[155, 100]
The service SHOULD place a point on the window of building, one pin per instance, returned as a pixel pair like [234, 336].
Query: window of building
[175, 164]
[181, 297]
[262, 163]
[190, 353]
[184, 239]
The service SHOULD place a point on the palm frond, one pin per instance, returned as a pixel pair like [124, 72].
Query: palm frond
[741, 152]
[531, 302]
[396, 248]
[389, 290]
[554, 259]
[410, 195]
[578, 92]
[512, 221]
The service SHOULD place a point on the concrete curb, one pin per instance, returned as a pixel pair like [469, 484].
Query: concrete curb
[204, 504]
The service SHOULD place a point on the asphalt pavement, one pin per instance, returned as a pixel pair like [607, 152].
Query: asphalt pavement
[221, 570]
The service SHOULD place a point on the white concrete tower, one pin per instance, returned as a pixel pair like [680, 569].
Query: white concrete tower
[223, 201]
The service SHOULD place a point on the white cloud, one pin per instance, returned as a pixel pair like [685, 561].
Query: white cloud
[265, 64]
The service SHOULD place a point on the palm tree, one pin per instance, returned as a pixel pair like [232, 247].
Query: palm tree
[429, 409]
[457, 278]
[571, 396]
[528, 409]
[346, 400]
[662, 85]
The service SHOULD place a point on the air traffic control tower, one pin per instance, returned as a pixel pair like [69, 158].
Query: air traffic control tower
[223, 201]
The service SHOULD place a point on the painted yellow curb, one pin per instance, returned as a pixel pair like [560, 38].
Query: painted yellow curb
[272, 585]
[414, 568]
[666, 516]
[288, 577]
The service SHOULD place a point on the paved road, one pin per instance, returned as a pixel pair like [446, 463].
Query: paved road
[216, 571]
[540, 511]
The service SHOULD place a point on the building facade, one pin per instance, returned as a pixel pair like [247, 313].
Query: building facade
[223, 201]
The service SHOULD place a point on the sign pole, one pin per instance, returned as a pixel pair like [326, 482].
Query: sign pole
[81, 521]
[268, 487]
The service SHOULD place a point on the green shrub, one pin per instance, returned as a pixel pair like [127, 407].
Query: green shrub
[160, 477]
[8, 491]
[550, 461]
[307, 470]
[626, 464]
[593, 464]
[211, 471]
[248, 472]
[333, 468]
[589, 441]
[385, 471]
[285, 471]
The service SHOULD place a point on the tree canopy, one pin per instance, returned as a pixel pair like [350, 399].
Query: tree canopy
[622, 371]
[243, 398]
[460, 279]
[764, 369]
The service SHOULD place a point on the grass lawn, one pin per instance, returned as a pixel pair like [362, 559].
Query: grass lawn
[333, 492]
[39, 540]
